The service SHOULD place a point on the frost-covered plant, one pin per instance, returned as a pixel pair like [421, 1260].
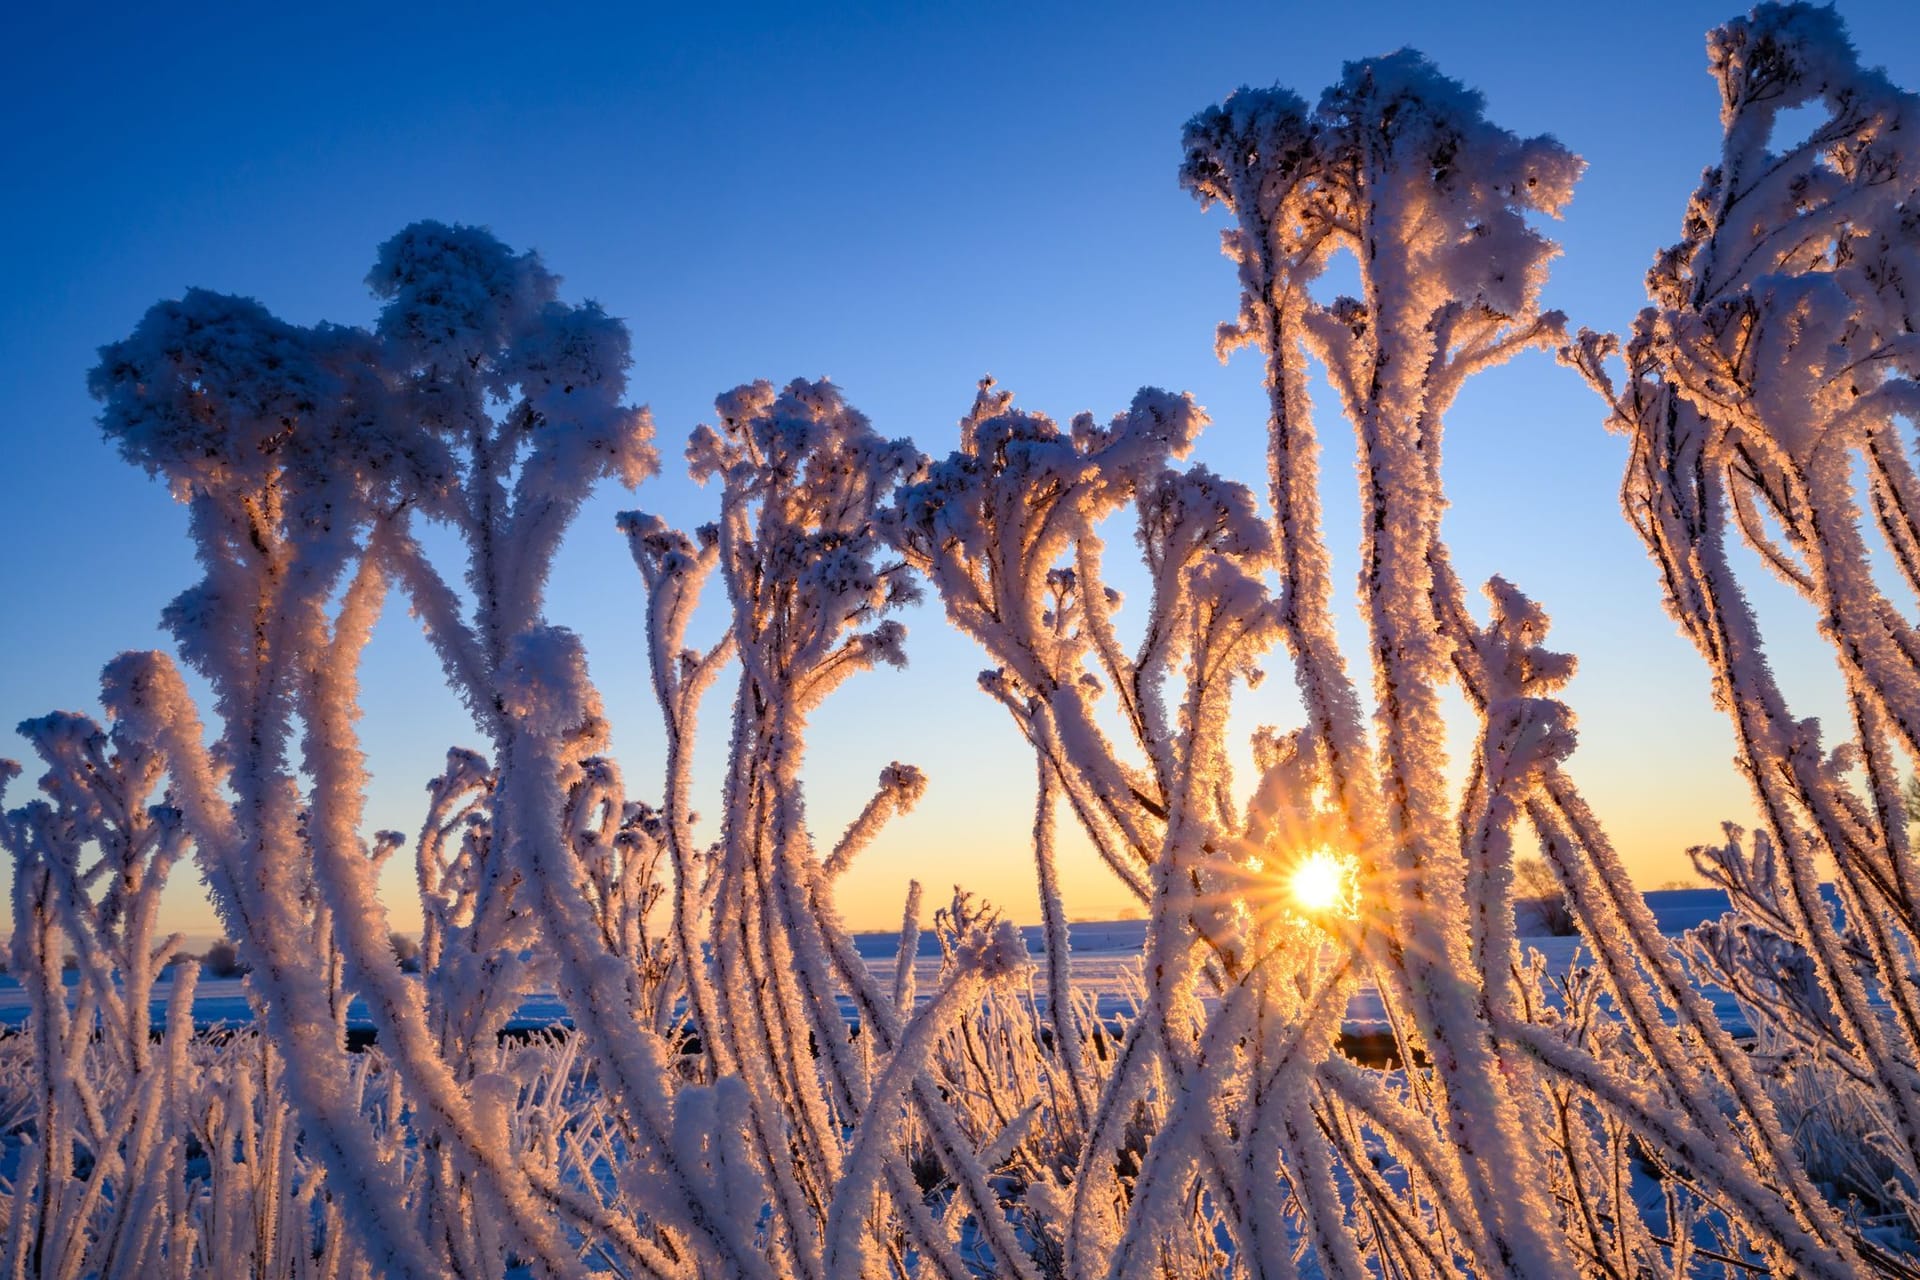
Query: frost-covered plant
[1764, 394]
[1397, 168]
[91, 860]
[990, 527]
[809, 1115]
[525, 393]
[277, 439]
[738, 1094]
[526, 396]
[302, 454]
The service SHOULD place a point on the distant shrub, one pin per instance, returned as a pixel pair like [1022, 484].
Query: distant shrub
[222, 961]
[1539, 900]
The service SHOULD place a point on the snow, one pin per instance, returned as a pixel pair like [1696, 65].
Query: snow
[771, 1094]
[1106, 963]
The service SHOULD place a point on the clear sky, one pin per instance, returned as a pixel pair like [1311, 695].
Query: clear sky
[899, 197]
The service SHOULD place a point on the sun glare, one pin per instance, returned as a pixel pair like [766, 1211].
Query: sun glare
[1319, 882]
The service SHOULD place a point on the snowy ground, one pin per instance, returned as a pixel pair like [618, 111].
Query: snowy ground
[1106, 962]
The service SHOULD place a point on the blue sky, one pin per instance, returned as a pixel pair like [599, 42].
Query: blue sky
[902, 198]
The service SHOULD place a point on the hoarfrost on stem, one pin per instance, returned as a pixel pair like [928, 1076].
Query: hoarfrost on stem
[738, 1092]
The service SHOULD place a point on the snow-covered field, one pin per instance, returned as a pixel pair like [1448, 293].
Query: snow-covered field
[1106, 964]
[1217, 1095]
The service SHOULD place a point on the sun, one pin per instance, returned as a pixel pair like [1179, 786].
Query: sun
[1318, 882]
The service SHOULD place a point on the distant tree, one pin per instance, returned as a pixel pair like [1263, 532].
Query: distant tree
[222, 960]
[1534, 886]
[407, 952]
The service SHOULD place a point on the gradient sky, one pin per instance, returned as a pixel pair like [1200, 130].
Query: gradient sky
[899, 198]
